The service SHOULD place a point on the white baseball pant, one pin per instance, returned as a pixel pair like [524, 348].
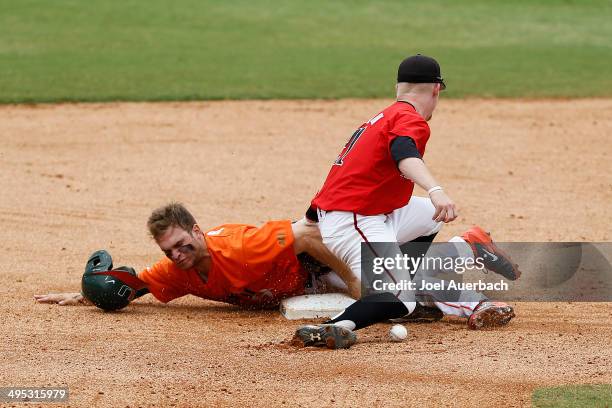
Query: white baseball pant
[343, 232]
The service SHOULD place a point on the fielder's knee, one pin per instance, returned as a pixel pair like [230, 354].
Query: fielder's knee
[436, 229]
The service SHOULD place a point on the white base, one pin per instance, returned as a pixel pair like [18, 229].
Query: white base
[314, 306]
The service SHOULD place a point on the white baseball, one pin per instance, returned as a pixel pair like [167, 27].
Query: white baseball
[398, 332]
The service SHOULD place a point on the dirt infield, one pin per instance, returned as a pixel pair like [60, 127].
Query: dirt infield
[76, 178]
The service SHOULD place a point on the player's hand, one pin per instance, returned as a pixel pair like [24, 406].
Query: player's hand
[62, 299]
[445, 207]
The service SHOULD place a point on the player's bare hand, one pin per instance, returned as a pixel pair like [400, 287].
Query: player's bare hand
[62, 299]
[446, 210]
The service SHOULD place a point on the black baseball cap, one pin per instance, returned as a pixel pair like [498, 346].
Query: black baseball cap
[420, 69]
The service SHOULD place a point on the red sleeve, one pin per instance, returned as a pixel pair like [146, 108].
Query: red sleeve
[412, 126]
[162, 281]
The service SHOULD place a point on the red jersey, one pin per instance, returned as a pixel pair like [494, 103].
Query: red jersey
[251, 267]
[365, 179]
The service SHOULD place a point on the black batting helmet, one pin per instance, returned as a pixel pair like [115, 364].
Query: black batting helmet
[108, 288]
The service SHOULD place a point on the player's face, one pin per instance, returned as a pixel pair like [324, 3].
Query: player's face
[182, 247]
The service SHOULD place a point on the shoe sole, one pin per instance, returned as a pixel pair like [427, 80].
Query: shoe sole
[492, 317]
[491, 247]
[329, 335]
[484, 238]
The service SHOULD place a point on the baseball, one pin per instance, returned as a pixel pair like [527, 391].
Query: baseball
[398, 332]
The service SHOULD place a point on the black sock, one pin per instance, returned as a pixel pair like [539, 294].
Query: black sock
[425, 238]
[416, 250]
[380, 307]
[373, 309]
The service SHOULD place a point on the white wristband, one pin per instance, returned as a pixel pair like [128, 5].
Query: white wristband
[435, 188]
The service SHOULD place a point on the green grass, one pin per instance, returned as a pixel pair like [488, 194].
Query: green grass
[573, 396]
[71, 50]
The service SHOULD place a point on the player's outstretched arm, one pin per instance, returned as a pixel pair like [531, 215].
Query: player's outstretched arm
[63, 299]
[414, 169]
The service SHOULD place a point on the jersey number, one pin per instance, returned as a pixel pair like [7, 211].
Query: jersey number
[349, 146]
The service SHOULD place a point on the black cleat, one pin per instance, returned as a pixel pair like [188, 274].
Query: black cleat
[421, 314]
[324, 335]
[490, 314]
[493, 257]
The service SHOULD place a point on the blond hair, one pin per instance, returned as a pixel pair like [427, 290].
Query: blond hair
[171, 215]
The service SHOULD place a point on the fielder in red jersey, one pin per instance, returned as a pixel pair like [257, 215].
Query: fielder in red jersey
[366, 199]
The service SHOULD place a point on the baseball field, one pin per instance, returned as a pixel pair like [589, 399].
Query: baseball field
[237, 110]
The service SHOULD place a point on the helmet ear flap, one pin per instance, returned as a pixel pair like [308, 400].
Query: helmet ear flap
[100, 260]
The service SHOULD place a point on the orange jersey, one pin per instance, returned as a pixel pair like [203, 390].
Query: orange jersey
[251, 266]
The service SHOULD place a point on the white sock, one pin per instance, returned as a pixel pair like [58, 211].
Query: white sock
[465, 250]
[347, 324]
